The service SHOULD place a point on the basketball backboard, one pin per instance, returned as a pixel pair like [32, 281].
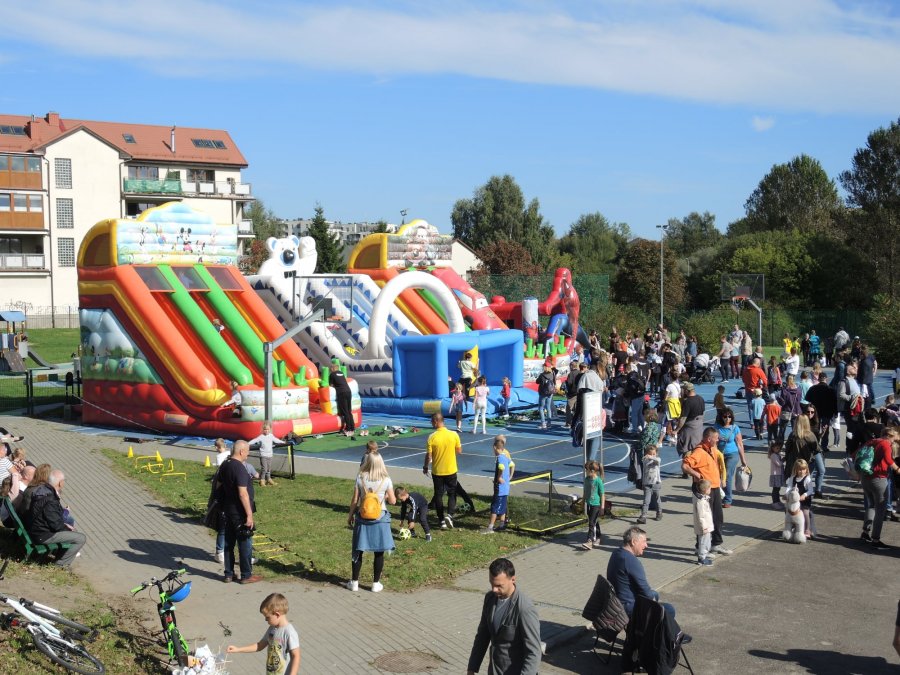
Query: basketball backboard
[743, 285]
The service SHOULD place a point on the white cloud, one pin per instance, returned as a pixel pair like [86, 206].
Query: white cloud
[762, 123]
[815, 55]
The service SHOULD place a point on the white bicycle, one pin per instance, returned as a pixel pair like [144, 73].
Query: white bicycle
[55, 636]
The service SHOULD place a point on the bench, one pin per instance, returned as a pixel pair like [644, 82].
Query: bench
[30, 546]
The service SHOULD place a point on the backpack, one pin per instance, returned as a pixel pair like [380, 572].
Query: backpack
[634, 388]
[370, 508]
[864, 459]
[547, 386]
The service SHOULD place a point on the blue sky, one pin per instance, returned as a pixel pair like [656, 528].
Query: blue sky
[639, 109]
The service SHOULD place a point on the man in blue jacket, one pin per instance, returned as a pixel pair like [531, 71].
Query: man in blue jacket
[626, 574]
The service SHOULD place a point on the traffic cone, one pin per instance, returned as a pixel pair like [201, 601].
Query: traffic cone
[207, 463]
[130, 453]
[158, 456]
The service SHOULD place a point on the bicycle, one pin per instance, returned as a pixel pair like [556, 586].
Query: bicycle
[55, 636]
[170, 590]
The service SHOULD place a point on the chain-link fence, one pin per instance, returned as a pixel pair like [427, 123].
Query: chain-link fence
[37, 389]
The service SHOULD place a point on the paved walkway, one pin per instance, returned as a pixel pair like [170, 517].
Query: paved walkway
[131, 537]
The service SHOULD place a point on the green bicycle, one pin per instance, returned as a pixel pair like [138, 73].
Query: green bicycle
[170, 589]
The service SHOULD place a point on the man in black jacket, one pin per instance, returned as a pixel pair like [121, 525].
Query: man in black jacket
[45, 523]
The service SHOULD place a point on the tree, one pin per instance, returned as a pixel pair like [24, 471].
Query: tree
[798, 195]
[328, 246]
[381, 227]
[695, 231]
[594, 244]
[873, 186]
[637, 282]
[507, 257]
[265, 223]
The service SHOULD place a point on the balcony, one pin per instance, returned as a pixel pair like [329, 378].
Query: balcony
[187, 188]
[245, 227]
[17, 262]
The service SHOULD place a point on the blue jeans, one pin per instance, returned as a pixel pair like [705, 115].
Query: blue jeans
[244, 545]
[731, 463]
[504, 408]
[545, 406]
[637, 414]
[819, 461]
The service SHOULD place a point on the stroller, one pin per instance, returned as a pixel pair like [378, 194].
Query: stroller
[704, 369]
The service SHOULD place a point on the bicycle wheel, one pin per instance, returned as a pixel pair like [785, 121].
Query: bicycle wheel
[84, 631]
[74, 657]
[179, 646]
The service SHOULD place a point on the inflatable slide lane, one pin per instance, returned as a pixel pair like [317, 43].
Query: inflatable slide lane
[172, 334]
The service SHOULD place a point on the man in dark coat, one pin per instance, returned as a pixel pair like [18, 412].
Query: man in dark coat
[509, 625]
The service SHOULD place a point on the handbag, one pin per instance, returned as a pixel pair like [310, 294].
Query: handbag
[213, 516]
[743, 478]
[785, 416]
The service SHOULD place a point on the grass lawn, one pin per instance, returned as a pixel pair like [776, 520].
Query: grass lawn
[54, 344]
[302, 528]
[377, 433]
[122, 644]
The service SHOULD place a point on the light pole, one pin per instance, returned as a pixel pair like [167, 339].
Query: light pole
[662, 237]
[403, 216]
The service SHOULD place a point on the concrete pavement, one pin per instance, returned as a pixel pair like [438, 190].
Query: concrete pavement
[131, 537]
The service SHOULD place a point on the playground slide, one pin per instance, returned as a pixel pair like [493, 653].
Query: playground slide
[43, 363]
[411, 303]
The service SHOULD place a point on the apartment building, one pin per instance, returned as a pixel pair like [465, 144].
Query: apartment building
[349, 234]
[60, 176]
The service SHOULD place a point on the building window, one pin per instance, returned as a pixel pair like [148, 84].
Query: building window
[201, 175]
[207, 143]
[65, 251]
[129, 138]
[63, 170]
[10, 245]
[134, 209]
[22, 203]
[8, 130]
[5, 202]
[65, 215]
[139, 172]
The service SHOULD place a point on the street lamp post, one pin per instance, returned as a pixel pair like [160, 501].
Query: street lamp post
[662, 237]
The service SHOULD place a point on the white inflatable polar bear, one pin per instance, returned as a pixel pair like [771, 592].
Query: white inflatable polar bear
[793, 517]
[297, 254]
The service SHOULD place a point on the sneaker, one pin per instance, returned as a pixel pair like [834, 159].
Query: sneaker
[865, 536]
[588, 545]
[443, 525]
[377, 587]
[641, 520]
[659, 515]
[818, 495]
[892, 515]
[686, 639]
[487, 530]
[220, 556]
[721, 550]
[777, 506]
[252, 561]
[427, 537]
[499, 527]
[352, 586]
[448, 521]
[706, 562]
[459, 429]
[877, 543]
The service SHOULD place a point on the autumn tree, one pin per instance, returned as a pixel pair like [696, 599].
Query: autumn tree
[637, 282]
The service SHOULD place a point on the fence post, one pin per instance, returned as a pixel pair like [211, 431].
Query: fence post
[29, 393]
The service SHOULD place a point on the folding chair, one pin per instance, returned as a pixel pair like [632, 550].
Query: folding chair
[606, 614]
[651, 632]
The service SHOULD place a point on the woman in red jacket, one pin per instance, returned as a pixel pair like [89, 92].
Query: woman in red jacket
[875, 484]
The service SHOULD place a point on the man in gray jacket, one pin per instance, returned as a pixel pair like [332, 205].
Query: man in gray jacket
[509, 625]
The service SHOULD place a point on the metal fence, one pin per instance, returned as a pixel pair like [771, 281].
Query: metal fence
[43, 316]
[38, 390]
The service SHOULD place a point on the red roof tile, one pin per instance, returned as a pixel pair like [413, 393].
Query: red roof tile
[152, 143]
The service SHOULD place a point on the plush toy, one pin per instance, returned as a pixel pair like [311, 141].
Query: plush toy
[793, 516]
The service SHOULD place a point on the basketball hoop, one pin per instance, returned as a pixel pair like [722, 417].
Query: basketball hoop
[737, 303]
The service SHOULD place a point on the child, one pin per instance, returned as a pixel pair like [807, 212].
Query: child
[506, 394]
[758, 407]
[371, 447]
[503, 473]
[652, 481]
[481, 399]
[266, 444]
[457, 404]
[776, 473]
[703, 523]
[594, 502]
[222, 451]
[281, 639]
[719, 399]
[800, 479]
[773, 413]
[651, 433]
[413, 509]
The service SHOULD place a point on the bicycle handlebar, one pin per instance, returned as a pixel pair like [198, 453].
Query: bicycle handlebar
[174, 574]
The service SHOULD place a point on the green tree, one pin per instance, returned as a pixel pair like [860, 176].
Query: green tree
[594, 244]
[381, 227]
[637, 282]
[507, 257]
[884, 327]
[265, 223]
[873, 186]
[798, 195]
[696, 241]
[328, 246]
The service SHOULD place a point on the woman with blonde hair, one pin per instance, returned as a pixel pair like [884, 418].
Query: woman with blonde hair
[371, 531]
[801, 444]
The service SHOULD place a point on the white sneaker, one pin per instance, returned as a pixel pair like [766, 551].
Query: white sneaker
[448, 521]
[352, 586]
[220, 556]
[721, 550]
[377, 587]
